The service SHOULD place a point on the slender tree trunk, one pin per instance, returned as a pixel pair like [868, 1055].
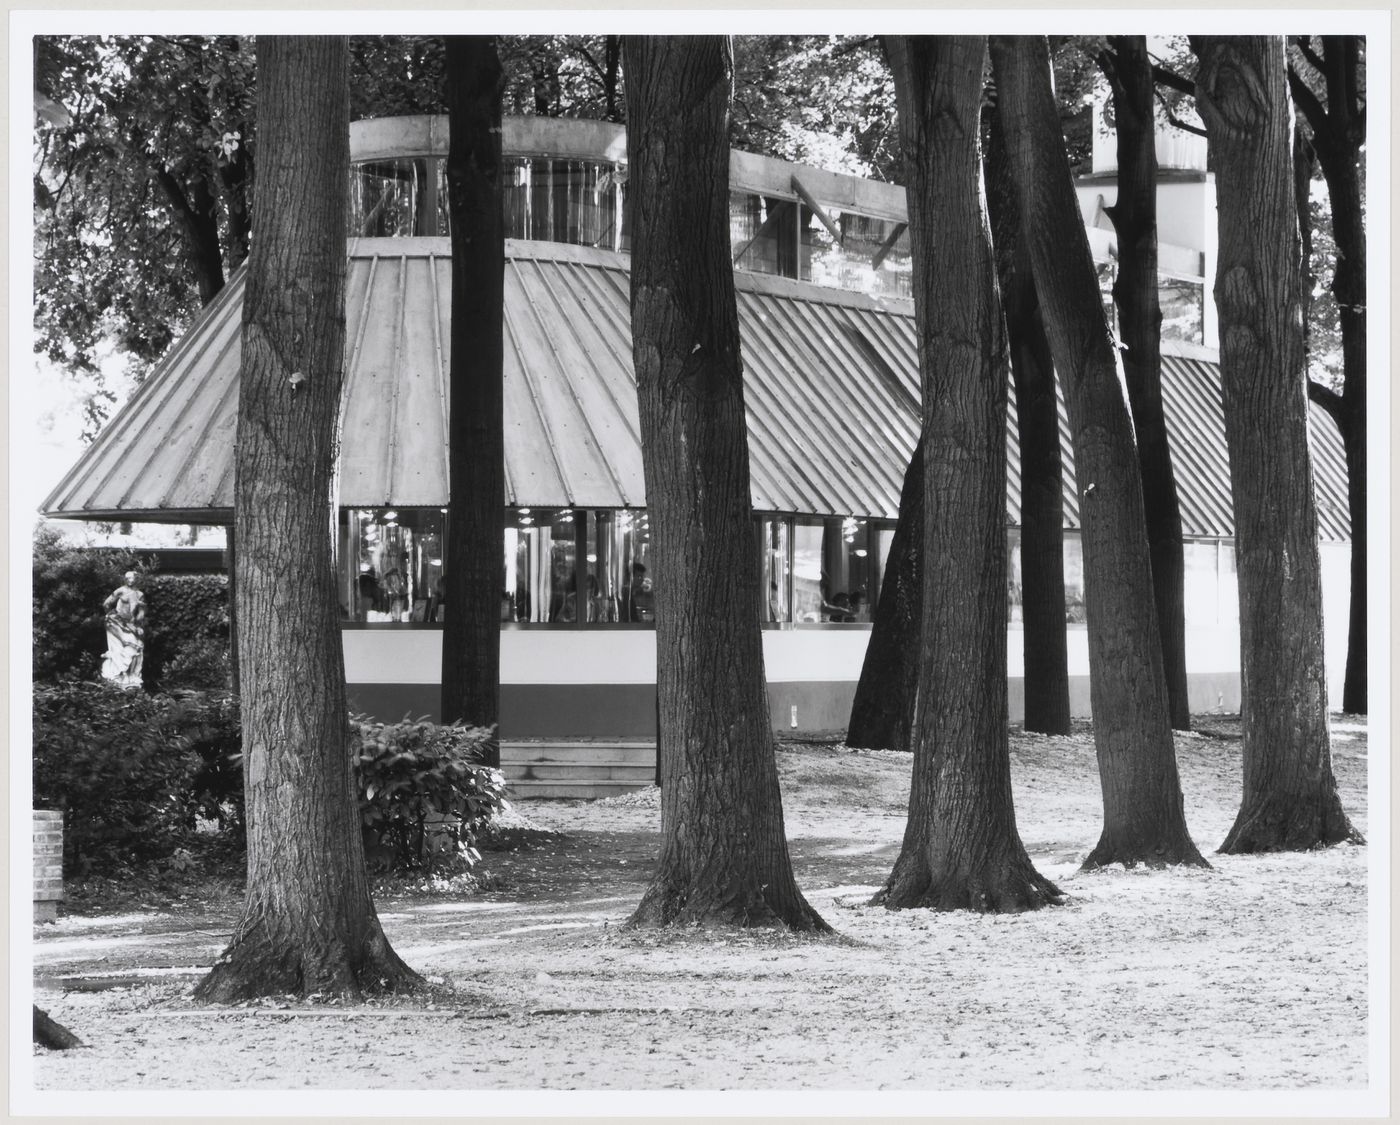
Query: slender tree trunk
[308, 924]
[1339, 132]
[471, 636]
[961, 849]
[235, 680]
[1134, 216]
[724, 857]
[1044, 631]
[198, 221]
[1144, 821]
[1290, 797]
[882, 712]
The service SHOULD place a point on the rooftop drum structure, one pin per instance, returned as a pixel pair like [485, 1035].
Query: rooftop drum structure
[832, 393]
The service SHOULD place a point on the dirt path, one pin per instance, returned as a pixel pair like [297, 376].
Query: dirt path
[1251, 976]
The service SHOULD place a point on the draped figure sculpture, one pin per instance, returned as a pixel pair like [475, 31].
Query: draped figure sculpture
[126, 633]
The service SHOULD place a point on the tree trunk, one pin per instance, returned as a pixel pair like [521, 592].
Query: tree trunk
[198, 221]
[1044, 633]
[961, 849]
[1144, 821]
[882, 712]
[1290, 797]
[48, 1032]
[471, 636]
[1134, 216]
[1339, 132]
[308, 924]
[235, 680]
[724, 857]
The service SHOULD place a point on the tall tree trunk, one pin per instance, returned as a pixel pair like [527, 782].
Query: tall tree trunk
[961, 849]
[235, 679]
[882, 711]
[471, 635]
[1290, 796]
[1144, 821]
[724, 857]
[308, 924]
[1339, 133]
[1044, 629]
[1134, 214]
[198, 221]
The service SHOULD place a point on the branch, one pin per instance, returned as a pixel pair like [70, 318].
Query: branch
[1305, 48]
[1173, 81]
[1306, 100]
[1327, 398]
[1177, 122]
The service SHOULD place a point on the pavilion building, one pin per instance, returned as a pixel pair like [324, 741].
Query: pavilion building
[822, 272]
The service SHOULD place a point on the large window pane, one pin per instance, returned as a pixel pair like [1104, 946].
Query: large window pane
[391, 564]
[1074, 579]
[871, 256]
[398, 198]
[1014, 604]
[774, 538]
[573, 201]
[1183, 309]
[833, 573]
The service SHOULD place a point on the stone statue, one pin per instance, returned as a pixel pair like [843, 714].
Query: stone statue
[126, 633]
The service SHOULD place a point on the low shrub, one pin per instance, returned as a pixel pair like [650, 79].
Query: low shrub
[187, 630]
[424, 794]
[119, 765]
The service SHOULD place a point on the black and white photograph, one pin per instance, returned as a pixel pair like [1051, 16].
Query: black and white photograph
[676, 567]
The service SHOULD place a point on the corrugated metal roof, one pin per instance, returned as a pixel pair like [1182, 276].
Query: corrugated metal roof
[831, 385]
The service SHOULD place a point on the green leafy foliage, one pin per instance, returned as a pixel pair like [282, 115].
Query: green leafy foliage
[424, 795]
[130, 771]
[187, 630]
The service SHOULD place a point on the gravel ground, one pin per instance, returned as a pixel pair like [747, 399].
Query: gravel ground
[1249, 980]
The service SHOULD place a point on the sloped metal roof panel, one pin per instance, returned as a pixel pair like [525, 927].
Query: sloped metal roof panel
[831, 389]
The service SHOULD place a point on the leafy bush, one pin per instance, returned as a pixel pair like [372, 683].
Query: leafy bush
[70, 585]
[119, 764]
[187, 630]
[423, 793]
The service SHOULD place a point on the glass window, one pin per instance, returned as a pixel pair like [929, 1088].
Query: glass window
[573, 201]
[763, 234]
[618, 568]
[834, 577]
[391, 564]
[398, 198]
[540, 583]
[1074, 579]
[871, 256]
[774, 540]
[1014, 603]
[1183, 309]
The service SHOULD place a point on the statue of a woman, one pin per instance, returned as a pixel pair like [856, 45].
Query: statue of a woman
[126, 632]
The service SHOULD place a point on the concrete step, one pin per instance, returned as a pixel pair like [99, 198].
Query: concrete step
[571, 790]
[580, 771]
[581, 753]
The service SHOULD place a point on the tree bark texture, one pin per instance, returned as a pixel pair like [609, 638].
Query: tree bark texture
[1134, 217]
[1338, 135]
[1290, 797]
[1044, 629]
[471, 636]
[961, 849]
[724, 857]
[308, 924]
[882, 712]
[1144, 821]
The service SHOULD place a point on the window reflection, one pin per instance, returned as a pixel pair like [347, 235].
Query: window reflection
[391, 564]
[578, 202]
[833, 572]
[398, 198]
